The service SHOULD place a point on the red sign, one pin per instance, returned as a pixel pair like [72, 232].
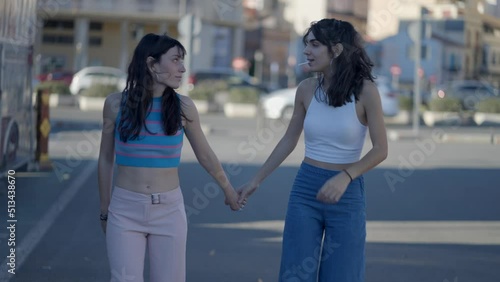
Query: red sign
[239, 63]
[395, 70]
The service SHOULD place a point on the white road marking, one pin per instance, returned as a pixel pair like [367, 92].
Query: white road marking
[31, 240]
[400, 232]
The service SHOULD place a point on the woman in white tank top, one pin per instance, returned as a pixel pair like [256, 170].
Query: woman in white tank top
[325, 225]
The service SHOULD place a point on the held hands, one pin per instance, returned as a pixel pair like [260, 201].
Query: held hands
[238, 200]
[244, 192]
[231, 199]
[334, 188]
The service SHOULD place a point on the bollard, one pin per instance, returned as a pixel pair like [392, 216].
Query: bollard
[43, 130]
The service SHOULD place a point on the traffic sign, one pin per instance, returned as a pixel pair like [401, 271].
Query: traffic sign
[185, 24]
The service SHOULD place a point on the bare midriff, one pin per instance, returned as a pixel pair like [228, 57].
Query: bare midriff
[329, 166]
[147, 180]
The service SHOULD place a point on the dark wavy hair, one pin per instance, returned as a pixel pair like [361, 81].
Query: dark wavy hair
[352, 66]
[136, 101]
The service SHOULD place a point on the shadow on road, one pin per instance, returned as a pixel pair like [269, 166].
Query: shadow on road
[245, 246]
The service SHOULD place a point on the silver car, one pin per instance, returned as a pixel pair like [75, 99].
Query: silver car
[88, 76]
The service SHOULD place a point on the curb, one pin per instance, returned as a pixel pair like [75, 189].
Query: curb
[403, 118]
[207, 129]
[493, 139]
[482, 138]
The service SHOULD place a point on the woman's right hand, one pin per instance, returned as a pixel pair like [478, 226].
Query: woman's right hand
[245, 191]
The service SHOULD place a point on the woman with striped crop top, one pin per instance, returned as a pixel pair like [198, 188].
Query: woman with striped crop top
[325, 224]
[143, 131]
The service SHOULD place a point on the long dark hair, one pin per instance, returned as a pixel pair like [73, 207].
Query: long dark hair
[137, 97]
[352, 66]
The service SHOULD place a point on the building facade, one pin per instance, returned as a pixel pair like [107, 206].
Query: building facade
[274, 30]
[467, 38]
[75, 33]
[353, 11]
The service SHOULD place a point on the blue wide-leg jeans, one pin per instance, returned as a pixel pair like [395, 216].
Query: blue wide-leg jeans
[323, 242]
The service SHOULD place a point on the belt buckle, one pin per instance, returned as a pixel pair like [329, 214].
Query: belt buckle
[155, 199]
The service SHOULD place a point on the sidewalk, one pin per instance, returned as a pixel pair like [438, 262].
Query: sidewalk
[70, 119]
[445, 134]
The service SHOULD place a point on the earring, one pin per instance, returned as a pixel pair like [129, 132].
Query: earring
[157, 78]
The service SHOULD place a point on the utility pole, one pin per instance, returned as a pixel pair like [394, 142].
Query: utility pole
[182, 8]
[418, 63]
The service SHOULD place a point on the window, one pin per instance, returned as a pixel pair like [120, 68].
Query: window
[454, 62]
[454, 25]
[222, 47]
[95, 26]
[61, 24]
[488, 29]
[57, 39]
[95, 41]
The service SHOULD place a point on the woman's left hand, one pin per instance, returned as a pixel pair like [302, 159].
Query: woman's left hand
[232, 200]
[333, 189]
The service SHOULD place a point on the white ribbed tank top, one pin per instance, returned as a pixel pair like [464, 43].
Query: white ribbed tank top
[333, 135]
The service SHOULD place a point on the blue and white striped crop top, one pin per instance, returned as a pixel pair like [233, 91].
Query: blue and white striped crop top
[155, 149]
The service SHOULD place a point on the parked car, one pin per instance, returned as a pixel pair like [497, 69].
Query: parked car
[279, 104]
[388, 96]
[425, 96]
[469, 92]
[88, 76]
[59, 75]
[231, 77]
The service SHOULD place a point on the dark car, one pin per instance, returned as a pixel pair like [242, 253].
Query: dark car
[231, 77]
[469, 92]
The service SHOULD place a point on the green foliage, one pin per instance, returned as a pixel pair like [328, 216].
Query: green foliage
[100, 90]
[54, 87]
[207, 89]
[405, 103]
[490, 105]
[445, 105]
[245, 95]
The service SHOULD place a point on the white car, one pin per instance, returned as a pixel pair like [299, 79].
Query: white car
[279, 104]
[88, 76]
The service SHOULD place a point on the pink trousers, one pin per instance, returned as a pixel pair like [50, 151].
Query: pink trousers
[138, 221]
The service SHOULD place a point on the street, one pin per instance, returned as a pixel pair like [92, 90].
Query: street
[432, 208]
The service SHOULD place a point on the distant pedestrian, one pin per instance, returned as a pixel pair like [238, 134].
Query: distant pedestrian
[325, 225]
[145, 210]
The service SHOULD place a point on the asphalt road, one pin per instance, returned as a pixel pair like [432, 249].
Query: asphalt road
[432, 209]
